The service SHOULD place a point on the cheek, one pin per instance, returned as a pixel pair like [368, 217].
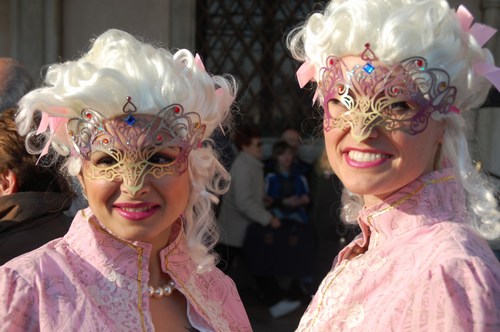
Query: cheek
[417, 152]
[175, 188]
[99, 190]
[332, 138]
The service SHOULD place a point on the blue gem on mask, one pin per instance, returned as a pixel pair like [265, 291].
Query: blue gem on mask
[368, 68]
[130, 120]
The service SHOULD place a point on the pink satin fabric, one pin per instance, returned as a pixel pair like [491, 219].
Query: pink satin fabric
[90, 280]
[423, 270]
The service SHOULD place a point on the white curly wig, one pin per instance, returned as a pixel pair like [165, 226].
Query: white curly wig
[398, 30]
[117, 66]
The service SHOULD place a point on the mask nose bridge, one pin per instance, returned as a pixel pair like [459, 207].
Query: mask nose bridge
[362, 119]
[133, 174]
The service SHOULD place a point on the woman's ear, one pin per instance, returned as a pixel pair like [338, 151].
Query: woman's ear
[8, 183]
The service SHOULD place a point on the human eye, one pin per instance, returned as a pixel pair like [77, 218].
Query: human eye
[165, 156]
[160, 158]
[103, 160]
[402, 108]
[399, 107]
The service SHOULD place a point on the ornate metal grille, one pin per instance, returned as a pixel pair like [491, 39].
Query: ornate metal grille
[247, 39]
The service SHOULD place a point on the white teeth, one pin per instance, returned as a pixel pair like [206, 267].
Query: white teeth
[142, 209]
[366, 157]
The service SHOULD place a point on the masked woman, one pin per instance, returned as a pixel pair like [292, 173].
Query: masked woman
[394, 79]
[134, 123]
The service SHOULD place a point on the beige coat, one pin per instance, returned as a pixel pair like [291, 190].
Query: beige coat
[244, 202]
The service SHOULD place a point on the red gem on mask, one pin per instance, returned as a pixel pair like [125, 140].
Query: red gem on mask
[331, 62]
[159, 138]
[89, 116]
[177, 109]
[420, 63]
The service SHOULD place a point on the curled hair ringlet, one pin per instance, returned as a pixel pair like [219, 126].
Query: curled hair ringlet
[398, 30]
[117, 66]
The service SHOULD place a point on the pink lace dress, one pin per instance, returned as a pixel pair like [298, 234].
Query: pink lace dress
[90, 280]
[424, 269]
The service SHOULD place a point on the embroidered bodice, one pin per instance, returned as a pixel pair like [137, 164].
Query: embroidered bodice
[90, 280]
[424, 269]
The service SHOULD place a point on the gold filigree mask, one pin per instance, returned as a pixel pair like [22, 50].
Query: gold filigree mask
[400, 97]
[131, 147]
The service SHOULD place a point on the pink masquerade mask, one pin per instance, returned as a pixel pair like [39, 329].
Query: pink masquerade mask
[400, 97]
[130, 147]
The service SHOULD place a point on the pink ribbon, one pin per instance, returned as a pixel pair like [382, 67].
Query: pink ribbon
[199, 62]
[482, 33]
[224, 99]
[490, 72]
[305, 73]
[453, 109]
[52, 123]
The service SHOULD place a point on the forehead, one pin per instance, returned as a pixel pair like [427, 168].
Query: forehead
[372, 79]
[352, 61]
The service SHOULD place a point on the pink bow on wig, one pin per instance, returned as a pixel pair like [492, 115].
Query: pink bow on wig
[53, 124]
[305, 74]
[224, 99]
[482, 33]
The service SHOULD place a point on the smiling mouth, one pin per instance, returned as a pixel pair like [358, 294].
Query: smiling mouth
[136, 212]
[366, 157]
[138, 209]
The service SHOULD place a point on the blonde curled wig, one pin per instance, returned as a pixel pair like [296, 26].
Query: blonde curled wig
[117, 66]
[397, 30]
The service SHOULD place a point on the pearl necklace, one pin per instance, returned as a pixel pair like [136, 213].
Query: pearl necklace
[165, 290]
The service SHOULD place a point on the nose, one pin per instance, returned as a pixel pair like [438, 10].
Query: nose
[134, 191]
[364, 126]
[134, 185]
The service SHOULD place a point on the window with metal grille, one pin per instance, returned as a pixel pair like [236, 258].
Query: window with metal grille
[246, 38]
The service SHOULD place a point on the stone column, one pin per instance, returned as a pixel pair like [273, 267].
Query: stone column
[182, 24]
[35, 38]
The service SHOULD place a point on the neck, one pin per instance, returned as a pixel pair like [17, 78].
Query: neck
[156, 275]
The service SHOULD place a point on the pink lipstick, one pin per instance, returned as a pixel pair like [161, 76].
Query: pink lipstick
[136, 211]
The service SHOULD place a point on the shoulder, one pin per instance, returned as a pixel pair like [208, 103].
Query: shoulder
[461, 266]
[44, 261]
[458, 240]
[242, 162]
[24, 281]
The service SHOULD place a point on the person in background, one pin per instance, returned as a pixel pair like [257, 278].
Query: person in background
[292, 137]
[134, 123]
[33, 196]
[394, 79]
[287, 190]
[15, 82]
[243, 205]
